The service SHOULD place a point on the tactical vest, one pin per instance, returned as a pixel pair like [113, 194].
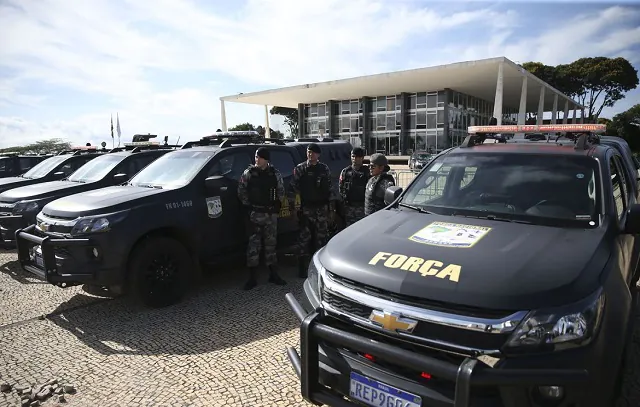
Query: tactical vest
[314, 186]
[355, 184]
[262, 187]
[374, 197]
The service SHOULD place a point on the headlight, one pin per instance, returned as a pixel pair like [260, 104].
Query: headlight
[25, 206]
[96, 224]
[314, 273]
[558, 328]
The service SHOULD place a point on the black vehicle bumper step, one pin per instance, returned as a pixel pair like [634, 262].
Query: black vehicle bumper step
[48, 269]
[465, 375]
[8, 226]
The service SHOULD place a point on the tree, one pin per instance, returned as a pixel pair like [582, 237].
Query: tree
[53, 145]
[596, 82]
[290, 118]
[627, 126]
[250, 127]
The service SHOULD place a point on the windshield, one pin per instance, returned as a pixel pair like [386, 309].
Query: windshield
[96, 169]
[45, 167]
[511, 186]
[172, 170]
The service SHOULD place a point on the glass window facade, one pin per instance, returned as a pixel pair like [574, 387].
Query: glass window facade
[403, 123]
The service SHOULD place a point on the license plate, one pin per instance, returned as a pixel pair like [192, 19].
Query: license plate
[374, 393]
[37, 257]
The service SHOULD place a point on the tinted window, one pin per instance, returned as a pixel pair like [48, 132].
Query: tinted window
[283, 161]
[231, 166]
[517, 185]
[619, 188]
[25, 163]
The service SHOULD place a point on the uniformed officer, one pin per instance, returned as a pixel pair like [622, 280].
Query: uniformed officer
[312, 180]
[261, 190]
[352, 184]
[378, 183]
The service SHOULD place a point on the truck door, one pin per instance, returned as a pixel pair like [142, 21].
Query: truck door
[225, 229]
[626, 244]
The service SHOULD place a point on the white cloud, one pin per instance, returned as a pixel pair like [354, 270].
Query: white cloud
[106, 48]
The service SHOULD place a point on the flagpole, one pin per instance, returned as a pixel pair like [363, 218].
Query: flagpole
[112, 140]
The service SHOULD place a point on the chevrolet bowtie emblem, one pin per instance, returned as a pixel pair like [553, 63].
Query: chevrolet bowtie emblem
[392, 321]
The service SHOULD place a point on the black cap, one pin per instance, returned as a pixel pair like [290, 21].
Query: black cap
[263, 153]
[357, 152]
[314, 147]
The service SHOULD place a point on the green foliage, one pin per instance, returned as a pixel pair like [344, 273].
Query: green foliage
[627, 126]
[53, 145]
[250, 127]
[290, 118]
[597, 82]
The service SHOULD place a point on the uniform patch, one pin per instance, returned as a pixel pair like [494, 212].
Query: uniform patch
[450, 234]
[214, 206]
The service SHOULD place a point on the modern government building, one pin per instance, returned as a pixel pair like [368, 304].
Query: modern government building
[430, 109]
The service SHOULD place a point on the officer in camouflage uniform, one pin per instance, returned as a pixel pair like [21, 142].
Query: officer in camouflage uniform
[378, 183]
[353, 181]
[312, 180]
[261, 190]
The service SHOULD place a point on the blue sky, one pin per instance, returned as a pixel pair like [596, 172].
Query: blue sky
[67, 65]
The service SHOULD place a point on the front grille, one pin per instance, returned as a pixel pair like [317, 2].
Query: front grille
[421, 302]
[426, 330]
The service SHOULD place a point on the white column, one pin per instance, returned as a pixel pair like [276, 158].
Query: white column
[497, 104]
[223, 116]
[522, 113]
[554, 113]
[267, 130]
[541, 106]
[565, 117]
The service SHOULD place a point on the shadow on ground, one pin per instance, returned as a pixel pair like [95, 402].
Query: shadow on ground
[13, 270]
[218, 315]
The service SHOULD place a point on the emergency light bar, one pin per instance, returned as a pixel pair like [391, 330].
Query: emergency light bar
[543, 128]
[248, 133]
[85, 148]
[141, 143]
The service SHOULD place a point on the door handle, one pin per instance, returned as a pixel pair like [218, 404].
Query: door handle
[223, 189]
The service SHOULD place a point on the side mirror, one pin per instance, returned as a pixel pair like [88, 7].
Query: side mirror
[391, 194]
[214, 182]
[58, 175]
[118, 178]
[632, 224]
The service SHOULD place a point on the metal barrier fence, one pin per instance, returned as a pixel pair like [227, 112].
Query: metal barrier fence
[404, 177]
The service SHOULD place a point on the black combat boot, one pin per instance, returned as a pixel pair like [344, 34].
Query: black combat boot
[274, 277]
[251, 283]
[303, 265]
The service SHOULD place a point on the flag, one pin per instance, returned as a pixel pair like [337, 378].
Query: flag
[118, 127]
[111, 126]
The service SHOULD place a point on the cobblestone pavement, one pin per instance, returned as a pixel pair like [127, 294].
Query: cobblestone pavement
[221, 346]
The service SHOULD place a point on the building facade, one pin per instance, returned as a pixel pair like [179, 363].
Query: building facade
[400, 124]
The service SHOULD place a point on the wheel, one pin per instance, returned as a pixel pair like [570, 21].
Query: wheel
[628, 383]
[160, 272]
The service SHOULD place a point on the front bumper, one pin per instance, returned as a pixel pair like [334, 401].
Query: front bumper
[8, 226]
[67, 262]
[328, 355]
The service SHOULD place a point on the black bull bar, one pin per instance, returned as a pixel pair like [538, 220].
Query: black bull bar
[468, 373]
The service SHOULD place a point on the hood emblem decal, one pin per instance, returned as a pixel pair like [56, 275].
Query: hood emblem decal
[392, 321]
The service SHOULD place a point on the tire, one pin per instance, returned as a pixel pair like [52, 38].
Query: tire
[160, 272]
[628, 386]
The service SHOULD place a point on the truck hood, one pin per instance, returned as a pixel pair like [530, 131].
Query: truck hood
[466, 261]
[99, 201]
[44, 190]
[14, 182]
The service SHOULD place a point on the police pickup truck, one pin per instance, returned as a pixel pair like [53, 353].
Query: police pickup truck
[150, 236]
[112, 167]
[504, 275]
[13, 164]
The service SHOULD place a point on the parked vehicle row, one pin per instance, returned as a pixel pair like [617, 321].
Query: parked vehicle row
[504, 275]
[144, 219]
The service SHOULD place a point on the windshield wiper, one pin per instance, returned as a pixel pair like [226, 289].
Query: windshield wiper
[492, 217]
[147, 186]
[77, 180]
[415, 208]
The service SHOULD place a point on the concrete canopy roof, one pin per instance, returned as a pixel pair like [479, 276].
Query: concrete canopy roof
[475, 78]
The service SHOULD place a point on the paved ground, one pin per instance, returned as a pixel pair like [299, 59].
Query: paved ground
[222, 346]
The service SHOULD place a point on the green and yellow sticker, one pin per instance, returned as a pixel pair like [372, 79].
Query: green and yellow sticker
[447, 234]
